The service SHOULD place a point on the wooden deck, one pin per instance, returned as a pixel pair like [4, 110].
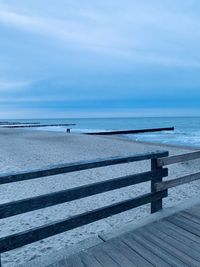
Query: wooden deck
[172, 241]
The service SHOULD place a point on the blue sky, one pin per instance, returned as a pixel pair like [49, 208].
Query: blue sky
[84, 58]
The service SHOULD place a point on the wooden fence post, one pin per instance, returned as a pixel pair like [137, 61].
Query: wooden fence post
[155, 205]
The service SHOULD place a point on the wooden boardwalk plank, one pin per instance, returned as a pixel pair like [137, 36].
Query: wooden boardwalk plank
[89, 260]
[172, 241]
[190, 217]
[116, 254]
[73, 262]
[186, 225]
[192, 241]
[182, 243]
[169, 248]
[103, 258]
[181, 231]
[186, 253]
[155, 246]
[166, 247]
[143, 251]
[131, 254]
[194, 214]
[61, 263]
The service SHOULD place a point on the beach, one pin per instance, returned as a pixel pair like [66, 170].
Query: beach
[26, 149]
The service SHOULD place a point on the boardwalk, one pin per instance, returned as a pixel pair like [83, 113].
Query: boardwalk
[172, 241]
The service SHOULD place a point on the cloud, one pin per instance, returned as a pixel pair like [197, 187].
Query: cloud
[13, 85]
[99, 51]
[68, 31]
[136, 33]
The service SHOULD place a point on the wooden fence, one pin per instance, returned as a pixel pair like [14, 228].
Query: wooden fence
[159, 190]
[165, 161]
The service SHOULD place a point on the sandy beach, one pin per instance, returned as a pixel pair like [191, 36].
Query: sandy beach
[26, 149]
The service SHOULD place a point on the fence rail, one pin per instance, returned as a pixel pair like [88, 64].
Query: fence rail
[178, 181]
[34, 203]
[159, 190]
[159, 186]
[179, 158]
[77, 166]
[39, 202]
[36, 234]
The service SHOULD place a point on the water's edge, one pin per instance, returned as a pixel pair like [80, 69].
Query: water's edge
[186, 133]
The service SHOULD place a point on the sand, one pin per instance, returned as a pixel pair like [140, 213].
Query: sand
[25, 149]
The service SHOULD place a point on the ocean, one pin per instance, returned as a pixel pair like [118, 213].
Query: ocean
[187, 129]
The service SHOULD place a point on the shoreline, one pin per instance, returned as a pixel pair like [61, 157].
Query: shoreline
[124, 138]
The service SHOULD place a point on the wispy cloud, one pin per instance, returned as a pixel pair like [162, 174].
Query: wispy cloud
[13, 85]
[138, 32]
[68, 31]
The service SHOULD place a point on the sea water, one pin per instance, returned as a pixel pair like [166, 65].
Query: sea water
[187, 129]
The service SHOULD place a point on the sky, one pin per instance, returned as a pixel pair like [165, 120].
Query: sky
[86, 58]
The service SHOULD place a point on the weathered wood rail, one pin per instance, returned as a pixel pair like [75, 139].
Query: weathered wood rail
[17, 240]
[159, 190]
[165, 161]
